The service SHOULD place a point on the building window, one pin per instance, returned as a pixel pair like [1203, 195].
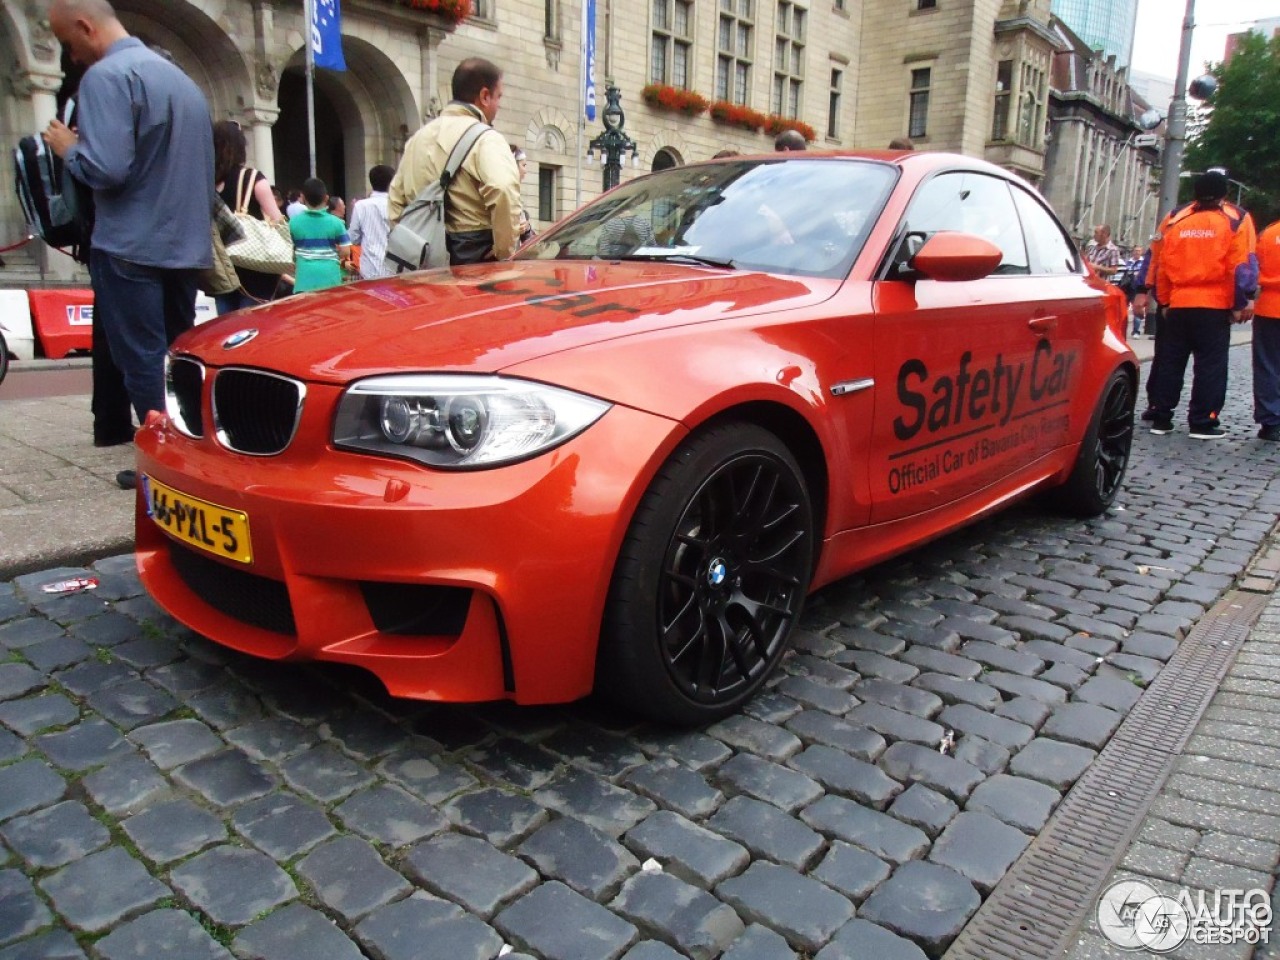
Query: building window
[839, 4]
[788, 66]
[550, 18]
[918, 115]
[482, 9]
[926, 4]
[665, 159]
[1027, 118]
[1004, 88]
[733, 50]
[672, 42]
[1031, 106]
[548, 208]
[833, 104]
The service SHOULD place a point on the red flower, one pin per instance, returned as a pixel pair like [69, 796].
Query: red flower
[775, 124]
[666, 97]
[735, 114]
[455, 10]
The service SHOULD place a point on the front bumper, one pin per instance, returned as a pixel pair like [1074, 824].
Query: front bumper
[454, 586]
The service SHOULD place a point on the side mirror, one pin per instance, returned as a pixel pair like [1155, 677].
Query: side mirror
[904, 253]
[956, 256]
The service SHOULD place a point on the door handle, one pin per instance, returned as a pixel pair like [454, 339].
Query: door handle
[1043, 324]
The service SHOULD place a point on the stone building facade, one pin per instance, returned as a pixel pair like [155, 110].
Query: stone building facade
[980, 67]
[1102, 167]
[971, 76]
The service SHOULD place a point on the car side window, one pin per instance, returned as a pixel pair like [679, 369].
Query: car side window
[975, 204]
[1051, 250]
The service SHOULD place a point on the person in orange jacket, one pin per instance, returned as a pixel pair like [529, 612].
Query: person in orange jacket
[1266, 336]
[1204, 272]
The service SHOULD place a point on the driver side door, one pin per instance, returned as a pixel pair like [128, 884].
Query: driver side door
[952, 358]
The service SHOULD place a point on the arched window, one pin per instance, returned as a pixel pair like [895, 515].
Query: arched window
[665, 158]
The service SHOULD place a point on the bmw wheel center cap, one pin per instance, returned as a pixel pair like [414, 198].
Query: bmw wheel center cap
[717, 572]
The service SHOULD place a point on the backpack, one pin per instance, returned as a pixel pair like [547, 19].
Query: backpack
[1128, 279]
[417, 241]
[48, 198]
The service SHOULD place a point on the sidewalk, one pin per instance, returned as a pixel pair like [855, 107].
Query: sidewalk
[1215, 825]
[59, 503]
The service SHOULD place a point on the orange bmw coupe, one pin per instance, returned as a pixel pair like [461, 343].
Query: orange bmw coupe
[621, 460]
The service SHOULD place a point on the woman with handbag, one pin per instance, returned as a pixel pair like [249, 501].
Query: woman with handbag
[243, 188]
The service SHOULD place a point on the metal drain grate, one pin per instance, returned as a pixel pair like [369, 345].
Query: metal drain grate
[1035, 911]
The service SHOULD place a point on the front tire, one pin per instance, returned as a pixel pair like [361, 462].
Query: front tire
[4, 358]
[710, 580]
[1104, 455]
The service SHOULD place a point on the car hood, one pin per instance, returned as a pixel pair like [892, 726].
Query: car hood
[485, 318]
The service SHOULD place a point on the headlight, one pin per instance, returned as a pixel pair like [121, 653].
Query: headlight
[455, 421]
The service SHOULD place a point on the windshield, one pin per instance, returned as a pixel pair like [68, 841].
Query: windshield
[805, 217]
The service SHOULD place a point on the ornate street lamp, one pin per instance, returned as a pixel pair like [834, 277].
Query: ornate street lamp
[612, 144]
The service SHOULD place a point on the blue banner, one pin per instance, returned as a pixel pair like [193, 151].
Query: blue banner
[589, 55]
[326, 34]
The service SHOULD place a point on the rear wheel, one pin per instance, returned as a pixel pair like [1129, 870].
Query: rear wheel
[1104, 454]
[4, 358]
[710, 580]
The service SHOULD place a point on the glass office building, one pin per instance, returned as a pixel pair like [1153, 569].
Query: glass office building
[1106, 25]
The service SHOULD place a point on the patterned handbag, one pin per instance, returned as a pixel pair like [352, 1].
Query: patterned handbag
[266, 247]
[221, 277]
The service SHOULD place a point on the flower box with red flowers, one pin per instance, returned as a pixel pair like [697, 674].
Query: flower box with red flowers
[775, 124]
[663, 96]
[454, 10]
[735, 114]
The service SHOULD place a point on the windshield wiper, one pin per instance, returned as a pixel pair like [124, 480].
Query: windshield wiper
[680, 257]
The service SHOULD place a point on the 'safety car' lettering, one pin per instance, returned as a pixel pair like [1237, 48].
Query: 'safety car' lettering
[969, 396]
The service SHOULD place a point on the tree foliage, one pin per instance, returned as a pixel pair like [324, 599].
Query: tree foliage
[1243, 133]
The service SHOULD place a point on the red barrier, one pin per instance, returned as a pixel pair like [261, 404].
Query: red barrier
[63, 320]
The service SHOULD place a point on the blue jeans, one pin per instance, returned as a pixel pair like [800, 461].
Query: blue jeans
[1187, 332]
[235, 300]
[1266, 371]
[142, 309]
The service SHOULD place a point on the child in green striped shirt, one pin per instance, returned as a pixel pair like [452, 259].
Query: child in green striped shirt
[320, 241]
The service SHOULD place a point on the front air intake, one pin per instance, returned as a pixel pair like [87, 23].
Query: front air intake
[249, 598]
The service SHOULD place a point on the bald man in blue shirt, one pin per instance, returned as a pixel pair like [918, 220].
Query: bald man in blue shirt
[144, 145]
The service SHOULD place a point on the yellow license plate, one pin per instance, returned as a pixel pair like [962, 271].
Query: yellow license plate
[206, 526]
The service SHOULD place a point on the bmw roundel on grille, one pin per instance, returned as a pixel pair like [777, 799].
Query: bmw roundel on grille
[239, 339]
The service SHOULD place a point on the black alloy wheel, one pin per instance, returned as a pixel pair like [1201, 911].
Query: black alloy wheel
[1104, 454]
[712, 578]
[1114, 439]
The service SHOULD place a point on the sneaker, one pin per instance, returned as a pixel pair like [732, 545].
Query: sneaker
[1207, 431]
[1269, 432]
[112, 439]
[1161, 425]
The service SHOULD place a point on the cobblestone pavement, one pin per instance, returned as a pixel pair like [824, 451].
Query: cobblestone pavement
[163, 797]
[1216, 825]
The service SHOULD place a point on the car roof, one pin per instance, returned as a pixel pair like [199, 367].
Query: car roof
[920, 162]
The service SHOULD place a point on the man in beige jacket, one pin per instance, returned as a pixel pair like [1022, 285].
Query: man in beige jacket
[482, 221]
